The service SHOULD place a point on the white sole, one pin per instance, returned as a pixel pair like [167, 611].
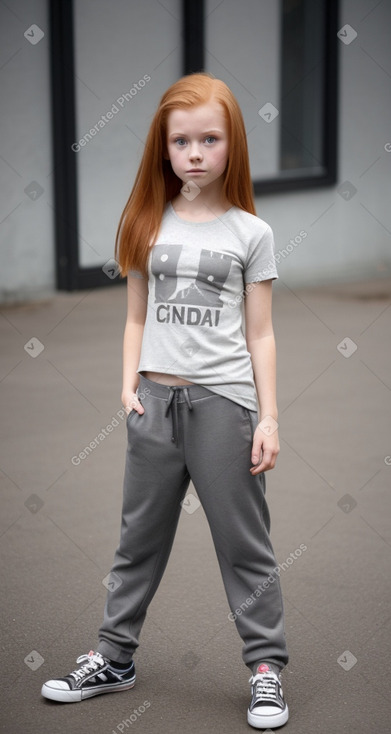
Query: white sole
[63, 696]
[268, 722]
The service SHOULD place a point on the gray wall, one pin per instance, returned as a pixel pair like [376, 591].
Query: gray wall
[243, 49]
[345, 238]
[26, 205]
[124, 61]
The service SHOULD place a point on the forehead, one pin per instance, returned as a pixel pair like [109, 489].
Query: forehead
[202, 117]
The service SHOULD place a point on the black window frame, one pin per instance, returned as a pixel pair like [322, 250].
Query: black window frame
[69, 274]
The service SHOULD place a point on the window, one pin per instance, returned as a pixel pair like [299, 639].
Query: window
[279, 58]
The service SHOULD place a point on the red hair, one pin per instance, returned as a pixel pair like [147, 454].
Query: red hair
[156, 183]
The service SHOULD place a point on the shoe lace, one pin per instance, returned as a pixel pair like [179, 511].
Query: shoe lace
[92, 662]
[266, 687]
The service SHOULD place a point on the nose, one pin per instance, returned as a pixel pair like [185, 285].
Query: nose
[195, 152]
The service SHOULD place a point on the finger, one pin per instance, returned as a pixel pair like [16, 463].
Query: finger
[256, 451]
[134, 404]
[268, 462]
[129, 406]
[138, 408]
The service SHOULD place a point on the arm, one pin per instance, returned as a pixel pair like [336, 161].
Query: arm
[262, 348]
[137, 291]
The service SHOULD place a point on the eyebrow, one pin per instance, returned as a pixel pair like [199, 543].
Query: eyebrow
[206, 132]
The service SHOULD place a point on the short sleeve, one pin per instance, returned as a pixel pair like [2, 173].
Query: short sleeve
[135, 274]
[261, 263]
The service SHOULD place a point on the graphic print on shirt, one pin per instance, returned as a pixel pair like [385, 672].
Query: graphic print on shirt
[182, 296]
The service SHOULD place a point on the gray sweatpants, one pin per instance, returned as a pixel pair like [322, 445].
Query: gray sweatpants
[189, 432]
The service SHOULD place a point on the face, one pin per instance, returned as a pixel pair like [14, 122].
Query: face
[197, 143]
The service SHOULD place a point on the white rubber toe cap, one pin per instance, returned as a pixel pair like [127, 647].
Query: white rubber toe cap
[58, 690]
[57, 685]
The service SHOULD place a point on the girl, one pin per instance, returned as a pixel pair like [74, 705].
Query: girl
[198, 352]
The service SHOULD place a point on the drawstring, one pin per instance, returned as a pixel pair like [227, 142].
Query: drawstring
[172, 404]
[187, 398]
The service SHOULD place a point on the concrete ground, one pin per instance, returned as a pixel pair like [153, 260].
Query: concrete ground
[329, 493]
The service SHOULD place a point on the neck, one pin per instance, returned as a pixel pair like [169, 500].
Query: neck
[206, 205]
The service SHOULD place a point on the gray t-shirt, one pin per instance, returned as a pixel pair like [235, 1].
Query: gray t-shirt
[198, 273]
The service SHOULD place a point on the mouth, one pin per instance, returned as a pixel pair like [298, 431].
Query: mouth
[196, 170]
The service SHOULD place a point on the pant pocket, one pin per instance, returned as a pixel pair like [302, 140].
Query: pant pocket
[131, 416]
[253, 418]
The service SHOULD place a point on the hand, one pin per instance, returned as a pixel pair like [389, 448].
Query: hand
[265, 450]
[131, 402]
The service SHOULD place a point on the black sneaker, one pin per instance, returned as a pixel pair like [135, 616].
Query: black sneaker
[267, 708]
[95, 676]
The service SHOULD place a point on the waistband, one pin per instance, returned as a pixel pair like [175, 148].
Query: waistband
[194, 392]
[173, 394]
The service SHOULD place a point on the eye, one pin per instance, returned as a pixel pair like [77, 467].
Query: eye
[210, 139]
[180, 141]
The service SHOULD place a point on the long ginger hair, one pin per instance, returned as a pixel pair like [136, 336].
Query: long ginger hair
[156, 183]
